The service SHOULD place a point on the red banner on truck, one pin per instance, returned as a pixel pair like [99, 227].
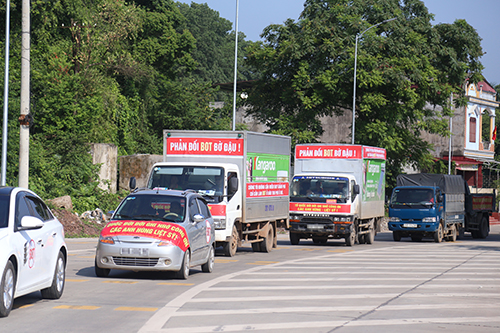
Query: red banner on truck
[164, 231]
[339, 152]
[204, 146]
[267, 189]
[319, 207]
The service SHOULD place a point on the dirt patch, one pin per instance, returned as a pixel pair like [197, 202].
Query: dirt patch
[76, 227]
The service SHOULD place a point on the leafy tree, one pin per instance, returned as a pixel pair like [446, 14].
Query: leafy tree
[404, 68]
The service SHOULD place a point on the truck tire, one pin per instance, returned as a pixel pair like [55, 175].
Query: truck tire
[438, 234]
[294, 238]
[453, 234]
[396, 235]
[483, 228]
[370, 237]
[231, 246]
[350, 240]
[267, 244]
[256, 247]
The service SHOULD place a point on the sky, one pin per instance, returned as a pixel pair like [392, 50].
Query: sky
[255, 15]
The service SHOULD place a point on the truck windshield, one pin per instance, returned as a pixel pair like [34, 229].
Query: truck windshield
[412, 198]
[208, 181]
[319, 188]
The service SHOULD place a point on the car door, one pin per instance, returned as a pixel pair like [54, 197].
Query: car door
[29, 245]
[50, 235]
[208, 226]
[196, 231]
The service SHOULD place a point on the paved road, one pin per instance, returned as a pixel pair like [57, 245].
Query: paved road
[385, 287]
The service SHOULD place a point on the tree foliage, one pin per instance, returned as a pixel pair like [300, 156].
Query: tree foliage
[405, 68]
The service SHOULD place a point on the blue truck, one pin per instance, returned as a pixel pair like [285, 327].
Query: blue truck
[438, 206]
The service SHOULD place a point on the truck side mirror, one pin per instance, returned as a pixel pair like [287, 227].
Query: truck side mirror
[232, 186]
[132, 183]
[440, 198]
[355, 189]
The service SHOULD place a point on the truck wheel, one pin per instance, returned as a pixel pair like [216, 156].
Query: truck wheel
[267, 244]
[370, 237]
[362, 239]
[396, 235]
[351, 239]
[438, 234]
[7, 289]
[294, 238]
[231, 246]
[453, 231]
[483, 228]
[256, 247]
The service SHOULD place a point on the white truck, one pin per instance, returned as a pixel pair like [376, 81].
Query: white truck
[337, 191]
[243, 175]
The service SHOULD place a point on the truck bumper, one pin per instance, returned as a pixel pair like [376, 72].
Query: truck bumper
[413, 227]
[321, 229]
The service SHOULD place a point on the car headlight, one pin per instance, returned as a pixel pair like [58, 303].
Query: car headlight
[220, 224]
[106, 240]
[429, 219]
[394, 219]
[165, 243]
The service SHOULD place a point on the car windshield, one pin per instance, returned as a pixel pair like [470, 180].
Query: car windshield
[412, 198]
[207, 181]
[151, 207]
[4, 211]
[318, 188]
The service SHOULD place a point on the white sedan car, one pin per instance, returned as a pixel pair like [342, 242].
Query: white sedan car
[33, 252]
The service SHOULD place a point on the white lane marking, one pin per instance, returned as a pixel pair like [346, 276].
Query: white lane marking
[338, 297]
[331, 324]
[358, 279]
[313, 309]
[78, 251]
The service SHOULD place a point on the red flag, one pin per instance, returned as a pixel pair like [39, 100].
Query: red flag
[494, 137]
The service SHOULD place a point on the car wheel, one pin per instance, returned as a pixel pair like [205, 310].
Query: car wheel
[8, 288]
[267, 244]
[183, 273]
[55, 291]
[100, 272]
[231, 246]
[208, 267]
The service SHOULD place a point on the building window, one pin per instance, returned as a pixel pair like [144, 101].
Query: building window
[472, 130]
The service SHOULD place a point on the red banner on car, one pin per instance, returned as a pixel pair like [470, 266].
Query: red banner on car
[319, 207]
[204, 146]
[169, 232]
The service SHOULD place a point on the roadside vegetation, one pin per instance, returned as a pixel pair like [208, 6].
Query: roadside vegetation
[115, 71]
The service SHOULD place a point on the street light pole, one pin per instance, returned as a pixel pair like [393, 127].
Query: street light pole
[355, 62]
[235, 66]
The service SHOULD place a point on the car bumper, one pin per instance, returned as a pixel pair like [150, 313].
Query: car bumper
[136, 258]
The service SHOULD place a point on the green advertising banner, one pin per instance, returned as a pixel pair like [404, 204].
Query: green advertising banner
[267, 167]
[374, 180]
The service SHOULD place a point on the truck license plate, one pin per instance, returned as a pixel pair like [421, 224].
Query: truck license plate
[315, 226]
[410, 225]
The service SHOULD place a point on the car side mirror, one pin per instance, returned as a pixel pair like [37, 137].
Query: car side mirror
[198, 218]
[31, 222]
[232, 186]
[132, 183]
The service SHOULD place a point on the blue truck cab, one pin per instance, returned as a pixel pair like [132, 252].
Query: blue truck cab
[427, 206]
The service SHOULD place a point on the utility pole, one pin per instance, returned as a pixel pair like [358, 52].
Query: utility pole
[25, 118]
